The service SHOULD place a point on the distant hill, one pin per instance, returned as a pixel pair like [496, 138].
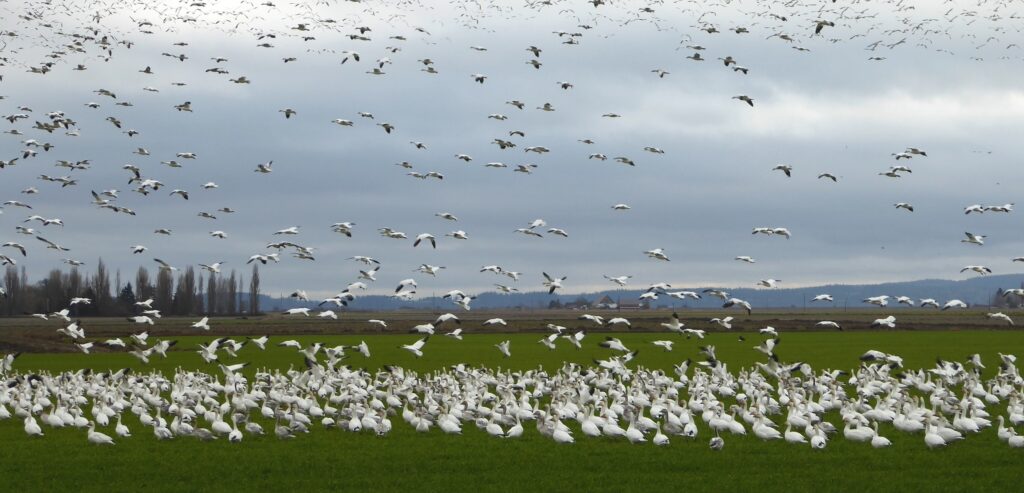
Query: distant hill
[974, 291]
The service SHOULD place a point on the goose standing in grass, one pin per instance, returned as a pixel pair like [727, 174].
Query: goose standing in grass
[32, 427]
[98, 438]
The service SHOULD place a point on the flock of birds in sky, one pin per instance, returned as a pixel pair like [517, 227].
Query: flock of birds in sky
[71, 39]
[608, 399]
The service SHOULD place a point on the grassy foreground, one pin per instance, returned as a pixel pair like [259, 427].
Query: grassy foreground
[405, 460]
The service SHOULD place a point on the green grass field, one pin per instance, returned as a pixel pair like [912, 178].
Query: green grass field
[406, 460]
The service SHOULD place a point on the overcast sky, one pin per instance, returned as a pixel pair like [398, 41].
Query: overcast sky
[951, 88]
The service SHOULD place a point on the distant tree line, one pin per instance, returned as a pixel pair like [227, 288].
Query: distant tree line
[173, 292]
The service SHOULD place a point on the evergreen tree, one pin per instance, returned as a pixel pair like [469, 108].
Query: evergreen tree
[126, 299]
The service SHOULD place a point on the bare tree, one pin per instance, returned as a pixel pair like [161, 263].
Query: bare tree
[211, 295]
[12, 283]
[232, 293]
[143, 288]
[101, 288]
[163, 292]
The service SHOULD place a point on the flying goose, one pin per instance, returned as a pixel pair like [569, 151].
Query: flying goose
[1007, 208]
[51, 245]
[213, 268]
[744, 98]
[18, 246]
[528, 232]
[954, 304]
[973, 238]
[202, 324]
[425, 237]
[614, 344]
[429, 269]
[882, 300]
[731, 302]
[682, 295]
[464, 302]
[504, 347]
[620, 280]
[980, 269]
[657, 254]
[552, 283]
[416, 348]
[674, 324]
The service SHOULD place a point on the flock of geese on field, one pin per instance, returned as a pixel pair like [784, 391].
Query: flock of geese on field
[786, 402]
